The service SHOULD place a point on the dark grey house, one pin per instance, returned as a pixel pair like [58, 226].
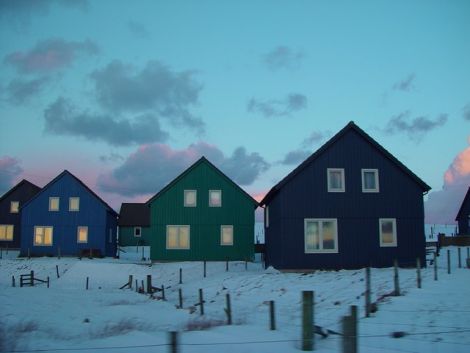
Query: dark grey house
[463, 216]
[350, 204]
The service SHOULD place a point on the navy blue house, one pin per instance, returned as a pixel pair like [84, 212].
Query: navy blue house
[10, 204]
[69, 216]
[351, 204]
[463, 216]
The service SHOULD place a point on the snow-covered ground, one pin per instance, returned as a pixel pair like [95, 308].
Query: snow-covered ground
[67, 317]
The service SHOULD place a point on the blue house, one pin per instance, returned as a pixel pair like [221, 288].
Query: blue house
[10, 204]
[67, 217]
[463, 216]
[351, 204]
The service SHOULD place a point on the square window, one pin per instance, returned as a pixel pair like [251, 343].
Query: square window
[177, 237]
[82, 235]
[74, 204]
[137, 232]
[336, 180]
[53, 204]
[321, 236]
[190, 198]
[226, 235]
[388, 232]
[215, 198]
[43, 236]
[370, 180]
[6, 232]
[14, 207]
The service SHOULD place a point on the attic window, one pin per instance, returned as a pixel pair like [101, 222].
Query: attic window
[336, 180]
[53, 203]
[74, 204]
[370, 180]
[14, 206]
[215, 198]
[190, 198]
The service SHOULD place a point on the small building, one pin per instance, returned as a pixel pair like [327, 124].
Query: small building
[134, 224]
[351, 204]
[10, 205]
[202, 215]
[463, 216]
[68, 218]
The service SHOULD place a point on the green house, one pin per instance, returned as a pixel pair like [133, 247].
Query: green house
[134, 224]
[202, 215]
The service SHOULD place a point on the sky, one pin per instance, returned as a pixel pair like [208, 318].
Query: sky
[128, 94]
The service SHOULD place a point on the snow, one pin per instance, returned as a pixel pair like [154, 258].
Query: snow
[67, 316]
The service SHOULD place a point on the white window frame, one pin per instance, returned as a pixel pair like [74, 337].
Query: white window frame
[78, 235]
[140, 232]
[179, 226]
[58, 203]
[394, 228]
[70, 204]
[321, 250]
[6, 227]
[14, 206]
[210, 203]
[222, 235]
[266, 217]
[43, 236]
[195, 198]
[376, 172]
[330, 188]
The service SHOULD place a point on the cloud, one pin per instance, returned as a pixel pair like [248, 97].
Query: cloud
[63, 118]
[49, 55]
[20, 91]
[466, 112]
[156, 88]
[442, 205]
[151, 167]
[314, 138]
[285, 107]
[9, 170]
[415, 128]
[138, 29]
[283, 57]
[405, 84]
[295, 157]
[111, 158]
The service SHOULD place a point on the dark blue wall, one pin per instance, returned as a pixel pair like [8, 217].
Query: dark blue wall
[464, 219]
[93, 213]
[22, 193]
[357, 213]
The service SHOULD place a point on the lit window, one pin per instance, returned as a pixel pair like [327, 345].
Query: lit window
[177, 237]
[6, 232]
[215, 198]
[336, 180]
[53, 203]
[43, 236]
[14, 206]
[190, 197]
[82, 235]
[137, 231]
[388, 232]
[370, 180]
[226, 235]
[74, 204]
[321, 236]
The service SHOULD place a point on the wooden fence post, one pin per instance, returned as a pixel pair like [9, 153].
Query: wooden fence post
[350, 331]
[57, 270]
[32, 278]
[226, 265]
[130, 281]
[228, 309]
[180, 297]
[418, 272]
[163, 292]
[204, 268]
[307, 321]
[435, 266]
[201, 301]
[13, 284]
[149, 284]
[460, 258]
[87, 281]
[367, 294]
[181, 276]
[136, 286]
[47, 281]
[272, 316]
[396, 280]
[448, 262]
[143, 257]
[173, 342]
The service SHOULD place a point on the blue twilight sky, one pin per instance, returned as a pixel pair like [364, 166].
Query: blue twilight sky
[127, 94]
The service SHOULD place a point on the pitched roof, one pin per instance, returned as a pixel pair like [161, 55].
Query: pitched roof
[465, 200]
[188, 170]
[66, 172]
[350, 126]
[21, 183]
[134, 214]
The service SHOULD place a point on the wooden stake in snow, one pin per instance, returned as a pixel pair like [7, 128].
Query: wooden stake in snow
[13, 281]
[460, 259]
[173, 336]
[228, 309]
[448, 262]
[149, 284]
[396, 280]
[181, 275]
[272, 316]
[307, 321]
[350, 331]
[201, 301]
[57, 270]
[204, 268]
[87, 280]
[180, 297]
[367, 293]
[418, 272]
[435, 266]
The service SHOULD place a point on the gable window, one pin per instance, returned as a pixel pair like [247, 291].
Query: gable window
[177, 237]
[370, 180]
[226, 235]
[321, 236]
[82, 235]
[14, 206]
[215, 198]
[137, 232]
[6, 232]
[43, 236]
[74, 204]
[266, 216]
[336, 180]
[190, 198]
[53, 203]
[388, 232]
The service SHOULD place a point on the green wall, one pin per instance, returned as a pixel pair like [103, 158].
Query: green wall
[204, 221]
[126, 236]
